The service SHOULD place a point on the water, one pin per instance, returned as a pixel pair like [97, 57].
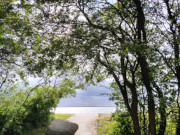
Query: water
[79, 110]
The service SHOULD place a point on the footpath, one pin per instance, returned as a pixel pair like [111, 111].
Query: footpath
[86, 122]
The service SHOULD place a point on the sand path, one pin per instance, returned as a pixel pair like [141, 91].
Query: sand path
[86, 122]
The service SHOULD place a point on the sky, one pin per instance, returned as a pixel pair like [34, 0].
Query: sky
[85, 98]
[90, 97]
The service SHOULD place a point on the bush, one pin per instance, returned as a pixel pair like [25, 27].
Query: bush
[119, 124]
[124, 124]
[105, 125]
[2, 118]
[22, 110]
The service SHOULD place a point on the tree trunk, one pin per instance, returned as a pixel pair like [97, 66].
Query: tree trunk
[144, 122]
[133, 110]
[178, 79]
[178, 124]
[135, 119]
[144, 66]
[151, 104]
[162, 128]
[134, 106]
[178, 121]
[162, 109]
[175, 29]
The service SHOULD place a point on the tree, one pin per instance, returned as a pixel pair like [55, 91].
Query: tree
[24, 109]
[125, 40]
[17, 37]
[115, 39]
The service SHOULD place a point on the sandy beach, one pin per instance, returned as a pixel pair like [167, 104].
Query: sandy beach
[86, 122]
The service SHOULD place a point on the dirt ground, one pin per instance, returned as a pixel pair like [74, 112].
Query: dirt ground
[86, 122]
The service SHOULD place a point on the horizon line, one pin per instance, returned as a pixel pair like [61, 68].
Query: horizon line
[85, 106]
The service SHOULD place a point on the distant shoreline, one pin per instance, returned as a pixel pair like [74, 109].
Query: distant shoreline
[87, 109]
[85, 106]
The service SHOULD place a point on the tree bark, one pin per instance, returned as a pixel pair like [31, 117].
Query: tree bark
[133, 110]
[162, 110]
[134, 106]
[178, 121]
[151, 104]
[134, 116]
[144, 67]
[175, 30]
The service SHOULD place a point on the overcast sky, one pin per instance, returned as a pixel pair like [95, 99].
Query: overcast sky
[89, 97]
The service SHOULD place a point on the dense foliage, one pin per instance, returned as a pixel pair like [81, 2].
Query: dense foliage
[23, 110]
[124, 125]
[135, 42]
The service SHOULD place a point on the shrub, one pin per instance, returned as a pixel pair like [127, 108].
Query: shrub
[22, 110]
[124, 124]
[105, 126]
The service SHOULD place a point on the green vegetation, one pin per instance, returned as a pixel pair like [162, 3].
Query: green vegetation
[121, 124]
[61, 116]
[38, 131]
[105, 125]
[135, 42]
[42, 130]
[22, 111]
[117, 124]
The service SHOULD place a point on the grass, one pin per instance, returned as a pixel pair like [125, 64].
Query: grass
[105, 125]
[61, 116]
[39, 131]
[42, 130]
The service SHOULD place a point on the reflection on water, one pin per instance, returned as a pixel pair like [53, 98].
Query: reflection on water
[94, 110]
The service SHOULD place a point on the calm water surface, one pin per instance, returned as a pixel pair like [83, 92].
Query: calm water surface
[76, 110]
